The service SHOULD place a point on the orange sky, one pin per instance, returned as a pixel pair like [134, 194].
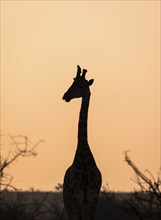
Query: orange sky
[119, 43]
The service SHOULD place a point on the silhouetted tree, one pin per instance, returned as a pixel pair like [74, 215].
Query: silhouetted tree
[147, 202]
[20, 146]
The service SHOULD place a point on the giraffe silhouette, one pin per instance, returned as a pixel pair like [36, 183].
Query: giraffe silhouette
[82, 180]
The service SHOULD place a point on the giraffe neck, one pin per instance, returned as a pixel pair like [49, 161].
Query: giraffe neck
[83, 158]
[83, 120]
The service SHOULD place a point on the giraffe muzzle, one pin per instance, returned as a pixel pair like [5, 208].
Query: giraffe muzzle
[66, 97]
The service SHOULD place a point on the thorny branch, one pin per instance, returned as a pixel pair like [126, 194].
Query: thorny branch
[21, 146]
[149, 198]
[145, 182]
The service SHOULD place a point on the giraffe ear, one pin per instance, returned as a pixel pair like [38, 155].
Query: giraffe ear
[90, 82]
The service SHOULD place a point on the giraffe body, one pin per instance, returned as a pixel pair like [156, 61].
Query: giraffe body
[82, 180]
[80, 197]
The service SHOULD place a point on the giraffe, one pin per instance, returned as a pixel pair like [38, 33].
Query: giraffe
[82, 180]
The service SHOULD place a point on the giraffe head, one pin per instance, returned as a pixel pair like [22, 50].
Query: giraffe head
[80, 86]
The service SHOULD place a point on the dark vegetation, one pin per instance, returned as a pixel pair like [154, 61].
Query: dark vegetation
[144, 204]
[49, 206]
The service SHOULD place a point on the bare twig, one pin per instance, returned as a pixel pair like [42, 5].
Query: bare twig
[150, 191]
[21, 147]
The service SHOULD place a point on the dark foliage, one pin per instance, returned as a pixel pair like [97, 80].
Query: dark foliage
[49, 206]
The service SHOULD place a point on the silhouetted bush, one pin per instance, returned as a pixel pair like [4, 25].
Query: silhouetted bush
[146, 204]
[49, 206]
[17, 146]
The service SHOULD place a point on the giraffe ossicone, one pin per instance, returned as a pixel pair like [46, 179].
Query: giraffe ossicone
[82, 180]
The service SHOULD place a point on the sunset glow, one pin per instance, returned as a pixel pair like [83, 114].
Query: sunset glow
[118, 42]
